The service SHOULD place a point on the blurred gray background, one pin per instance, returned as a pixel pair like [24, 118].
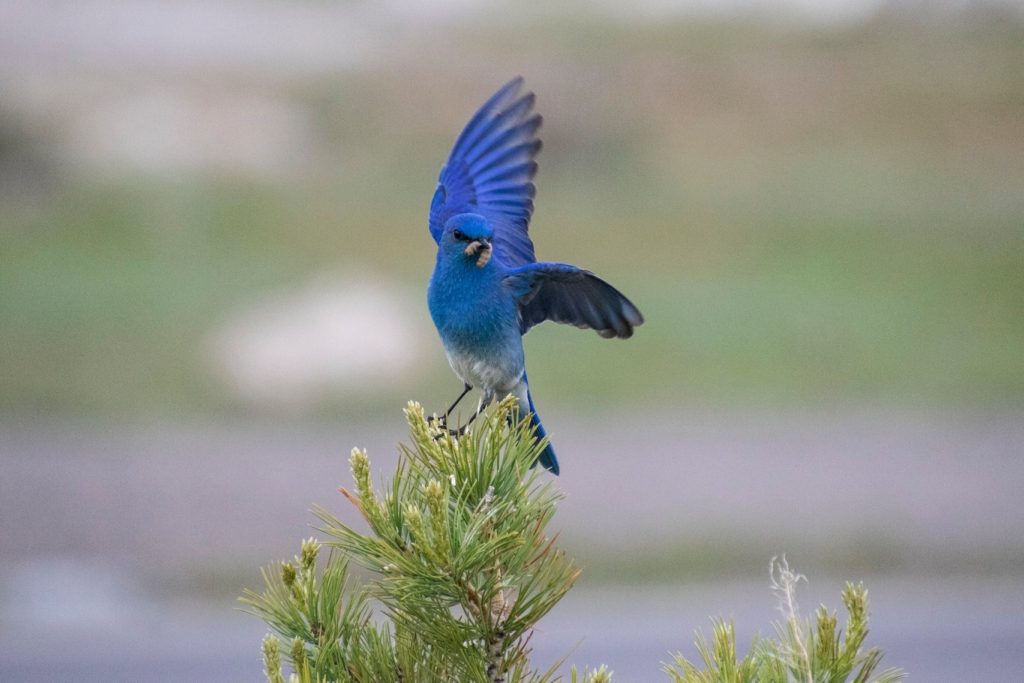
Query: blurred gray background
[213, 258]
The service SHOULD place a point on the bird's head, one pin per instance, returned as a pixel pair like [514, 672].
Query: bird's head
[468, 235]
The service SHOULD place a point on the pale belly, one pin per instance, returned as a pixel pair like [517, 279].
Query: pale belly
[493, 376]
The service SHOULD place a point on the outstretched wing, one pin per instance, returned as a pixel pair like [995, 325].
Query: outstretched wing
[571, 295]
[490, 172]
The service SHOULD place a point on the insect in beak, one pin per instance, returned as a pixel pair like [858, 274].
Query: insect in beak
[483, 247]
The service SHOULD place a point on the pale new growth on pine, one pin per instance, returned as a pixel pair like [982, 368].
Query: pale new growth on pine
[462, 564]
[462, 567]
[802, 653]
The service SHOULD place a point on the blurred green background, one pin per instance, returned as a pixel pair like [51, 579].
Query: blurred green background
[213, 263]
[804, 215]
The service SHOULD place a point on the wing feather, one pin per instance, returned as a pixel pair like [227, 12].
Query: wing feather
[572, 296]
[490, 172]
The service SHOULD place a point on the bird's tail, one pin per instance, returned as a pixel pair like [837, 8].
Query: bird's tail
[547, 456]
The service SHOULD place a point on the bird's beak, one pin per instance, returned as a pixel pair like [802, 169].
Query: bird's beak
[481, 246]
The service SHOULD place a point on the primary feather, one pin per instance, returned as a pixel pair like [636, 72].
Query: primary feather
[490, 172]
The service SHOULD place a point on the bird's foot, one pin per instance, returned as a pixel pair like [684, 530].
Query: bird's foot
[440, 428]
[438, 425]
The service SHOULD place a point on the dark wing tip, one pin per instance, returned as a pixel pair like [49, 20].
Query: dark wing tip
[622, 315]
[632, 314]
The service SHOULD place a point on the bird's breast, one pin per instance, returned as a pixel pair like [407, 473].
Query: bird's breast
[472, 307]
[478, 325]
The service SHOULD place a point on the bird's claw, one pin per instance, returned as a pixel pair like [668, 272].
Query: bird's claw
[441, 427]
[438, 425]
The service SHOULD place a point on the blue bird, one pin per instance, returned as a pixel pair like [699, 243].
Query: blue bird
[488, 289]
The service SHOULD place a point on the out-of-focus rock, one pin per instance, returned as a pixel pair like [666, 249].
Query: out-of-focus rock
[339, 331]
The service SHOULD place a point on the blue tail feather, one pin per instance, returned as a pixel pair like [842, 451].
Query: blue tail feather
[547, 457]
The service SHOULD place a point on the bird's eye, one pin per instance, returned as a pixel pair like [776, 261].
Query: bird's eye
[458, 235]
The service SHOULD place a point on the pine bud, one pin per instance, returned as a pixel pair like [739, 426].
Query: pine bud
[288, 573]
[422, 432]
[437, 504]
[360, 463]
[310, 549]
[298, 654]
[434, 493]
[414, 518]
[272, 659]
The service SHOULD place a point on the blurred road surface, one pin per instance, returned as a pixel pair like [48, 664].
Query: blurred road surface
[938, 630]
[117, 543]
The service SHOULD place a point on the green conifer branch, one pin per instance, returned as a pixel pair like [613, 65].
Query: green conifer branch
[801, 652]
[463, 567]
[460, 542]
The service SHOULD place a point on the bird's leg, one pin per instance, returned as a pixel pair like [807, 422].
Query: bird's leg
[456, 402]
[484, 402]
[444, 418]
